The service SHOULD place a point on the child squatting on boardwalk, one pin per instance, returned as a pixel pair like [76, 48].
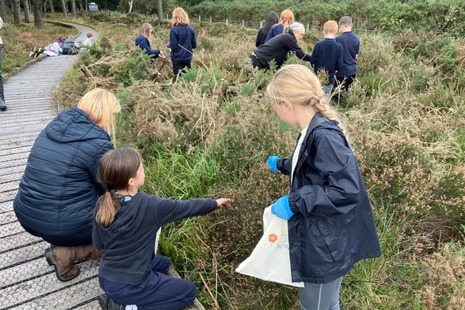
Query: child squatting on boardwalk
[125, 227]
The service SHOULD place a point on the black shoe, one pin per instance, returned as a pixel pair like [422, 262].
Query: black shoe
[2, 105]
[108, 304]
[103, 301]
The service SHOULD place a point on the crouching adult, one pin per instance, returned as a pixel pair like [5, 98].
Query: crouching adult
[59, 189]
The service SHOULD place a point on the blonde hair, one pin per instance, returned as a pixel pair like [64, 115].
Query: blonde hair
[101, 106]
[330, 27]
[115, 169]
[299, 85]
[145, 29]
[179, 17]
[286, 17]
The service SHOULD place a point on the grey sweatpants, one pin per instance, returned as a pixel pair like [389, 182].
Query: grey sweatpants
[324, 296]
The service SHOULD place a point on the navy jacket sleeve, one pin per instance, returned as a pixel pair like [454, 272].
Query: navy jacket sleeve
[174, 40]
[145, 45]
[339, 60]
[259, 39]
[171, 210]
[294, 47]
[194, 39]
[337, 165]
[284, 165]
[314, 56]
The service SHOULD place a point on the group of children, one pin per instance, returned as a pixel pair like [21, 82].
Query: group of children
[335, 55]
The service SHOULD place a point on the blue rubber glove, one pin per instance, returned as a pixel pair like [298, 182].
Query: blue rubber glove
[272, 162]
[281, 208]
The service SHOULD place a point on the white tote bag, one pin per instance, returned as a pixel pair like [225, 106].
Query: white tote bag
[270, 260]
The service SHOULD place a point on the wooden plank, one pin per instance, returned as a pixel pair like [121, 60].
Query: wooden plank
[6, 206]
[23, 254]
[17, 240]
[12, 173]
[14, 163]
[9, 186]
[37, 290]
[7, 217]
[10, 229]
[7, 196]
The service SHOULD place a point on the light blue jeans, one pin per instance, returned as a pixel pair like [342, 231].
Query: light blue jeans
[324, 296]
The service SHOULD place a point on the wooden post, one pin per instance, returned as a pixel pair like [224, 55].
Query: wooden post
[227, 22]
[261, 24]
[200, 18]
[210, 19]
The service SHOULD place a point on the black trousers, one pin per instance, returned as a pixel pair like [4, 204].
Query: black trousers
[180, 65]
[346, 81]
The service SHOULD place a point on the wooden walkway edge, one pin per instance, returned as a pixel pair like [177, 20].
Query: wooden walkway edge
[26, 280]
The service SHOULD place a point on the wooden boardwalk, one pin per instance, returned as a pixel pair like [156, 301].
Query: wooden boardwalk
[26, 280]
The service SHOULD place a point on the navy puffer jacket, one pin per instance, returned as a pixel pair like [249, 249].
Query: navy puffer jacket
[333, 225]
[58, 191]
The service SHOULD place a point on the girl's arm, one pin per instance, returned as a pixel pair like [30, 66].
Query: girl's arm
[171, 210]
[342, 186]
[174, 40]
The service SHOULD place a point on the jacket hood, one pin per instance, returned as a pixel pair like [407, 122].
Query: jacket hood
[74, 125]
[140, 38]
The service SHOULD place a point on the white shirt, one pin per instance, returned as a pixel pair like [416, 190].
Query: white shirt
[295, 156]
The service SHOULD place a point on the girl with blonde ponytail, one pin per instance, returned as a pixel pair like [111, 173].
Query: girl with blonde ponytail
[330, 221]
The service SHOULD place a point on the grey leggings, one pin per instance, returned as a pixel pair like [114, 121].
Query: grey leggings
[324, 296]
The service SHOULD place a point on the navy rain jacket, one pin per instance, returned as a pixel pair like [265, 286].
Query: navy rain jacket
[333, 225]
[58, 191]
[182, 41]
[143, 43]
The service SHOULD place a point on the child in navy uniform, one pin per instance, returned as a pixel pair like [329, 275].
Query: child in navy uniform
[330, 221]
[327, 55]
[182, 41]
[143, 42]
[125, 228]
[351, 47]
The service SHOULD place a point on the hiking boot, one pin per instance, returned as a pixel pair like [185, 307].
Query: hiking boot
[86, 252]
[62, 259]
[106, 303]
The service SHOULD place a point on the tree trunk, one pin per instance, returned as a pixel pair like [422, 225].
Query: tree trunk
[73, 8]
[27, 11]
[63, 6]
[38, 13]
[160, 11]
[52, 9]
[3, 11]
[81, 9]
[17, 12]
[130, 5]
